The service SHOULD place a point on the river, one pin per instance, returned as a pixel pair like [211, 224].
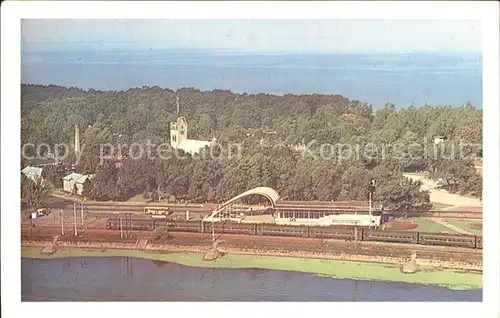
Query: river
[131, 279]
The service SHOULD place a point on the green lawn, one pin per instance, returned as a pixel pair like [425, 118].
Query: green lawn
[466, 225]
[425, 225]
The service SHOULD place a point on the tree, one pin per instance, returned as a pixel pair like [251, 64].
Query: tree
[87, 191]
[402, 196]
[33, 193]
[459, 176]
[54, 174]
[50, 112]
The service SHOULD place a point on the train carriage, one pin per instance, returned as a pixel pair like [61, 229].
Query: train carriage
[217, 226]
[319, 232]
[184, 226]
[447, 240]
[159, 223]
[479, 242]
[332, 232]
[394, 236]
[238, 228]
[136, 225]
[283, 230]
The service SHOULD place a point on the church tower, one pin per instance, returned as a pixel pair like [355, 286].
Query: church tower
[178, 129]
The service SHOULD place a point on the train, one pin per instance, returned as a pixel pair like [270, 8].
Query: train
[157, 210]
[319, 232]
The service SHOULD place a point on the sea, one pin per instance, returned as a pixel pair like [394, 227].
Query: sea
[132, 279]
[400, 79]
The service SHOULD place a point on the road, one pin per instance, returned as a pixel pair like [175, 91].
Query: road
[442, 196]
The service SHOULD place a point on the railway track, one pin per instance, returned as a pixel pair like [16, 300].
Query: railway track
[345, 207]
[368, 249]
[313, 244]
[147, 224]
[317, 244]
[102, 212]
[128, 207]
[138, 212]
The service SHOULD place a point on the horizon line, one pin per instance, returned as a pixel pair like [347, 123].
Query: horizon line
[243, 52]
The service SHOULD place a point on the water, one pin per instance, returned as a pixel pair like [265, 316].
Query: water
[113, 279]
[404, 79]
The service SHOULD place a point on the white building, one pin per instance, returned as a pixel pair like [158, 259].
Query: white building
[75, 179]
[33, 173]
[350, 220]
[439, 139]
[179, 139]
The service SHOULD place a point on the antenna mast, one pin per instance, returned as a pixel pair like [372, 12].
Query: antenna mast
[77, 139]
[177, 104]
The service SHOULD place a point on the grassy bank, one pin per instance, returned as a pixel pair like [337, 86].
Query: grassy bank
[428, 226]
[467, 225]
[333, 268]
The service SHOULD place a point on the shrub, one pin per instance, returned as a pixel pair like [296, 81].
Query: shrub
[160, 234]
[398, 225]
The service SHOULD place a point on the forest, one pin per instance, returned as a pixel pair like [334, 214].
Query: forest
[267, 129]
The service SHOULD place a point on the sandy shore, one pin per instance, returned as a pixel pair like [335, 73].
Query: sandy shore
[349, 266]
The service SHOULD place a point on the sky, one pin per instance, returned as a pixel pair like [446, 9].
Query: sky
[247, 36]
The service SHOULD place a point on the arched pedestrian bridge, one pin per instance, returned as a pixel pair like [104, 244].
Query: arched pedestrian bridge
[269, 193]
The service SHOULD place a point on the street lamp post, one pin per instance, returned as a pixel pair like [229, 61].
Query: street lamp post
[75, 219]
[61, 216]
[213, 230]
[128, 226]
[121, 229]
[356, 231]
[371, 189]
[81, 214]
